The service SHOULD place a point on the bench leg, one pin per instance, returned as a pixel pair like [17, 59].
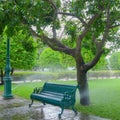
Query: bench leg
[44, 103]
[74, 110]
[31, 104]
[59, 115]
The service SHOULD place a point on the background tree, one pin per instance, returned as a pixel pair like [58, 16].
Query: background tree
[89, 23]
[23, 52]
[50, 59]
[114, 60]
[67, 61]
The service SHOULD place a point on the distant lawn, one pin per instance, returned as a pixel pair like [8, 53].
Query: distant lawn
[104, 95]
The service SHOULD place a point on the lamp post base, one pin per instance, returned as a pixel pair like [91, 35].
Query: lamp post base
[8, 97]
[7, 88]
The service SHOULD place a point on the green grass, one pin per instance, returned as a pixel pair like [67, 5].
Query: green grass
[105, 99]
[104, 96]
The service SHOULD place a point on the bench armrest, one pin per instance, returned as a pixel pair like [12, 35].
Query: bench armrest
[37, 90]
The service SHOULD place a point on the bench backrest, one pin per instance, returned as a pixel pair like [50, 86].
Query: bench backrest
[59, 88]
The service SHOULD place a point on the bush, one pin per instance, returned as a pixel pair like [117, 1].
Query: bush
[103, 74]
[33, 75]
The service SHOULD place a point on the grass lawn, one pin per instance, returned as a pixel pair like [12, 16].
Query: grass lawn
[104, 96]
[105, 99]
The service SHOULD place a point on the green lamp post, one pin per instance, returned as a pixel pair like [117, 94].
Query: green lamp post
[7, 78]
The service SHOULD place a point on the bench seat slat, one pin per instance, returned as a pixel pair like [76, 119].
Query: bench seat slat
[52, 93]
[46, 96]
[47, 99]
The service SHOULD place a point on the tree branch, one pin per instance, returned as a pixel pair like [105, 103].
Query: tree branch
[58, 46]
[114, 26]
[54, 43]
[86, 29]
[100, 45]
[53, 5]
[107, 28]
[94, 61]
[54, 32]
[72, 15]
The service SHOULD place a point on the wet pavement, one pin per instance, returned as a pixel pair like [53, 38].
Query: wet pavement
[18, 109]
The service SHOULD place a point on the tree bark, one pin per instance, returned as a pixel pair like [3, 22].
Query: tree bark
[2, 75]
[12, 71]
[83, 85]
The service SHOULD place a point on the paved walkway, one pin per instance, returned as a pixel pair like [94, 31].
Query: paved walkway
[17, 109]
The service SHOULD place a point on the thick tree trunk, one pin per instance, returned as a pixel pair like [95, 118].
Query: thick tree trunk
[83, 89]
[12, 71]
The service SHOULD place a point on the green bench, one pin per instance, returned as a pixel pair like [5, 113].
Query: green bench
[56, 94]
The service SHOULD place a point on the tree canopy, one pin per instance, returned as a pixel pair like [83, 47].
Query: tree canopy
[43, 17]
[88, 24]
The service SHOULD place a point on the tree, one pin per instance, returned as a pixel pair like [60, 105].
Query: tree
[50, 59]
[90, 24]
[67, 61]
[114, 60]
[23, 51]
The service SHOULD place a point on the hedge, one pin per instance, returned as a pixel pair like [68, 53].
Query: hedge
[32, 75]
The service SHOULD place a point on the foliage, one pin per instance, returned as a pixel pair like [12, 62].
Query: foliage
[67, 61]
[103, 74]
[115, 61]
[62, 74]
[22, 51]
[50, 58]
[74, 18]
[71, 30]
[18, 11]
[53, 59]
[101, 65]
[44, 76]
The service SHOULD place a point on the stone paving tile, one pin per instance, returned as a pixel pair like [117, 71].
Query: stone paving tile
[17, 109]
